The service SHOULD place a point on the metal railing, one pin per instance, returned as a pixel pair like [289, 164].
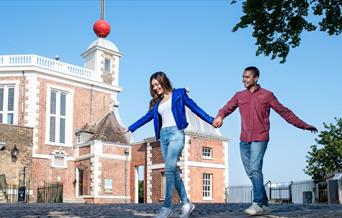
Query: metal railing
[3, 185]
[50, 193]
[291, 192]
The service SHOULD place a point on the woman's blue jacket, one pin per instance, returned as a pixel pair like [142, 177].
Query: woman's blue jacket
[179, 100]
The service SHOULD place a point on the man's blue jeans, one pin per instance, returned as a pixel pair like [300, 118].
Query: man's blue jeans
[172, 143]
[252, 155]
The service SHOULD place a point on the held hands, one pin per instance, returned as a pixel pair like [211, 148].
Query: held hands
[312, 129]
[122, 131]
[218, 121]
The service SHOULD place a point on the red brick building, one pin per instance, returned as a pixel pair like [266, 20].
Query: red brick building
[56, 99]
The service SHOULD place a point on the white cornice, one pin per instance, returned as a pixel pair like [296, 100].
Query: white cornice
[60, 77]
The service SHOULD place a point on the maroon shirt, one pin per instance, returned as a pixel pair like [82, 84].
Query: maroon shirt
[255, 112]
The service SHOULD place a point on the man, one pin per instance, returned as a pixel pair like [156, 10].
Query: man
[254, 104]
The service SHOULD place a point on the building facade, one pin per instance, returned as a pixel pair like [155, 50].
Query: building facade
[55, 99]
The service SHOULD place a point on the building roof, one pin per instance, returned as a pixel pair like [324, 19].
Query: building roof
[105, 130]
[199, 126]
[103, 43]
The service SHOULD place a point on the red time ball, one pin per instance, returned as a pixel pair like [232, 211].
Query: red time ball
[101, 28]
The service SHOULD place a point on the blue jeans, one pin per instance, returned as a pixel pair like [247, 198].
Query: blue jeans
[252, 155]
[172, 143]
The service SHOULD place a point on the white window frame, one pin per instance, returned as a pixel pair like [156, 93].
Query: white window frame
[207, 186]
[6, 84]
[59, 154]
[110, 65]
[68, 116]
[108, 186]
[205, 151]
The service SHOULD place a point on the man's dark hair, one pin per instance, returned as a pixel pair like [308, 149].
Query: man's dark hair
[254, 70]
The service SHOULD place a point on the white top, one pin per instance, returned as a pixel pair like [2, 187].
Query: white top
[165, 112]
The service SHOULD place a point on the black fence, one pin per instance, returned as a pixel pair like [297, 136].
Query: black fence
[50, 193]
[13, 193]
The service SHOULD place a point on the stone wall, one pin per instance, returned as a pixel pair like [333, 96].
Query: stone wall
[21, 137]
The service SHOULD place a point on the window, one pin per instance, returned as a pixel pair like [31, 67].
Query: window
[107, 66]
[57, 117]
[207, 153]
[59, 158]
[108, 186]
[207, 185]
[7, 101]
[163, 186]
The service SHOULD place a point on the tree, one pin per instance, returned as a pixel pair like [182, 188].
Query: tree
[278, 24]
[327, 159]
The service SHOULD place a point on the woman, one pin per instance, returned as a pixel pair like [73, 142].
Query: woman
[167, 109]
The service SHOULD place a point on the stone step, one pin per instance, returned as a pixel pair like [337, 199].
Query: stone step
[77, 200]
[3, 199]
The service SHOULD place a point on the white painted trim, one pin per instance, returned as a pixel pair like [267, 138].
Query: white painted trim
[206, 165]
[157, 166]
[104, 196]
[226, 163]
[78, 82]
[190, 164]
[148, 173]
[186, 173]
[77, 182]
[15, 84]
[136, 184]
[41, 156]
[49, 66]
[68, 116]
[32, 107]
[48, 156]
[96, 177]
[103, 156]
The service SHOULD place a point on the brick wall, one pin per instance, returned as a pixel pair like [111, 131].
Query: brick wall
[115, 170]
[157, 156]
[196, 150]
[196, 187]
[22, 138]
[138, 154]
[84, 150]
[43, 172]
[110, 149]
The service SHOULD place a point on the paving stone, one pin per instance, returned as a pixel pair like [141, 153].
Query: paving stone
[149, 210]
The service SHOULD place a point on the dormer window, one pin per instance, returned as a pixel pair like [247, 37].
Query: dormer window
[107, 65]
[82, 137]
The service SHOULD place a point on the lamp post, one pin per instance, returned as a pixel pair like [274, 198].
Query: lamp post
[14, 153]
[126, 154]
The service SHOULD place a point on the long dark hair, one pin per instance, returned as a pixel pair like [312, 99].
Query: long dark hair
[163, 81]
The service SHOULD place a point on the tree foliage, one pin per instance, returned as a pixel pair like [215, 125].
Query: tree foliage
[327, 159]
[278, 24]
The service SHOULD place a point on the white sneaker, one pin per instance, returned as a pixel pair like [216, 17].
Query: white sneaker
[267, 209]
[255, 210]
[164, 213]
[187, 209]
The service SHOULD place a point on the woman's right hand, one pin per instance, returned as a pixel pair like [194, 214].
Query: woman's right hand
[122, 131]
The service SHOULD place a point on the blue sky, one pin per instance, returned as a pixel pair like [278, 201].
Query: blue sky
[193, 43]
